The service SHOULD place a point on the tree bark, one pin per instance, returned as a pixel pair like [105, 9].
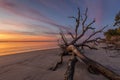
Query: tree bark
[71, 68]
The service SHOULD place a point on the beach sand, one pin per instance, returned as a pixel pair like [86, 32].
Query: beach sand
[35, 65]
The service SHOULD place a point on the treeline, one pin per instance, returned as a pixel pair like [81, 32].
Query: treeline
[114, 33]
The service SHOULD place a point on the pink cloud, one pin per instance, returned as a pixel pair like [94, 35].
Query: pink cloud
[20, 9]
[28, 12]
[31, 28]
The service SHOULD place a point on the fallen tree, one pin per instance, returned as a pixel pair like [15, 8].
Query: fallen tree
[75, 47]
[93, 65]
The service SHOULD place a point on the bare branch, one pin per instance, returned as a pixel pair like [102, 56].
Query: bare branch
[84, 20]
[99, 31]
[90, 47]
[77, 23]
[93, 40]
[85, 45]
[89, 41]
[71, 35]
[63, 37]
[84, 29]
[74, 41]
[72, 17]
[79, 14]
[80, 36]
[88, 26]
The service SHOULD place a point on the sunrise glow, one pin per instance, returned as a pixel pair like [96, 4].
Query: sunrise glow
[19, 37]
[40, 20]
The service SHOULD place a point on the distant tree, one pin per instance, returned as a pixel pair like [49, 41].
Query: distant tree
[114, 32]
[117, 19]
[118, 30]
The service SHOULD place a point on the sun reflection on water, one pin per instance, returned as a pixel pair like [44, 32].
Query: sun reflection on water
[7, 48]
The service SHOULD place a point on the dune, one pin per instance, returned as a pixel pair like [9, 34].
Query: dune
[35, 65]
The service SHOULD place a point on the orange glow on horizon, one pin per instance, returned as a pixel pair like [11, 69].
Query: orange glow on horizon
[21, 37]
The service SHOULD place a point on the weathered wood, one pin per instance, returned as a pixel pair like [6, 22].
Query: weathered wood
[100, 68]
[57, 64]
[71, 68]
[53, 68]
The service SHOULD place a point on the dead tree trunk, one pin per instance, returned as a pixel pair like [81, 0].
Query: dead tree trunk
[71, 68]
[100, 68]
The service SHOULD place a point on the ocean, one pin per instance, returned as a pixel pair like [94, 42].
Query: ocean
[8, 48]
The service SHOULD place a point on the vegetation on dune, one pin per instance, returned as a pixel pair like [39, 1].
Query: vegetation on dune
[114, 34]
[117, 19]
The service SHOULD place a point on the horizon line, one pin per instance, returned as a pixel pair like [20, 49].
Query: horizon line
[27, 41]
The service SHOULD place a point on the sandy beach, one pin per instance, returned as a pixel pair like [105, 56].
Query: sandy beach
[34, 65]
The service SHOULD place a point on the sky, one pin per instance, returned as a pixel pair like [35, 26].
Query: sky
[40, 20]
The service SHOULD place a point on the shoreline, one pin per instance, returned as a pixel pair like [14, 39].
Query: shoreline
[21, 52]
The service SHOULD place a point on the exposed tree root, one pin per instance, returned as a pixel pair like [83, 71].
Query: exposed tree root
[59, 62]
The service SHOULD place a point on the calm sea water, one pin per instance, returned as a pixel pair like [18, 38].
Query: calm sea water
[7, 48]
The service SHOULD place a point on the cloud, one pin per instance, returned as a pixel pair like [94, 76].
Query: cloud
[52, 33]
[15, 32]
[21, 9]
[28, 12]
[16, 36]
[60, 6]
[26, 28]
[23, 28]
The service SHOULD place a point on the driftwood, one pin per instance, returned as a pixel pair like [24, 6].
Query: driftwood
[98, 67]
[71, 68]
[76, 48]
